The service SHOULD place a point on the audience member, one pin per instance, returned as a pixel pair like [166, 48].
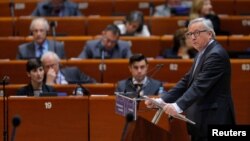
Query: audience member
[181, 46]
[56, 8]
[39, 28]
[139, 82]
[36, 86]
[173, 8]
[204, 8]
[57, 75]
[204, 92]
[108, 46]
[134, 25]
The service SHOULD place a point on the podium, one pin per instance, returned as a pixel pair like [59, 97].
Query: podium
[143, 130]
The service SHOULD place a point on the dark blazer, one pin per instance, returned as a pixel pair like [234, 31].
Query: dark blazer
[94, 48]
[45, 9]
[27, 50]
[205, 96]
[74, 75]
[150, 88]
[28, 90]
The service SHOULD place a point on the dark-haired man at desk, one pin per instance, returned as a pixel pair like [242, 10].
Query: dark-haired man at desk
[36, 86]
[57, 75]
[56, 8]
[108, 46]
[139, 82]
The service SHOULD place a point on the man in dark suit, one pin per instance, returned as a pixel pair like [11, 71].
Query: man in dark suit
[39, 28]
[109, 46]
[139, 83]
[204, 93]
[56, 8]
[56, 75]
[36, 86]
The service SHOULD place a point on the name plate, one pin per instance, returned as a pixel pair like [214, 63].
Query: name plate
[125, 105]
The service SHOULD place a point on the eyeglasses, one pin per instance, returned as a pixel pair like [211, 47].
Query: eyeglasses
[196, 33]
[109, 40]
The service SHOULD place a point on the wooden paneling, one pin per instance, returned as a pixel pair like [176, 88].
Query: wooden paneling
[50, 119]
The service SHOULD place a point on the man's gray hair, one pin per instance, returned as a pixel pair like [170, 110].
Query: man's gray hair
[41, 20]
[207, 24]
[50, 54]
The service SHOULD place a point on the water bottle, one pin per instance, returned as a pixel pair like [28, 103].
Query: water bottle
[78, 91]
[161, 91]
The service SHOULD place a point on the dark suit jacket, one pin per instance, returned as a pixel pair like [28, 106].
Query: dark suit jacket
[74, 75]
[27, 50]
[206, 96]
[150, 88]
[94, 48]
[45, 9]
[28, 90]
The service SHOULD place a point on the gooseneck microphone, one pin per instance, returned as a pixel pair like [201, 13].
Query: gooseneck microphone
[5, 81]
[102, 66]
[12, 14]
[129, 119]
[16, 121]
[157, 68]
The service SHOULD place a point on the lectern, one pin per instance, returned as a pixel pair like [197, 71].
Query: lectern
[143, 130]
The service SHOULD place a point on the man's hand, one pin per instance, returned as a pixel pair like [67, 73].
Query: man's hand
[50, 77]
[170, 109]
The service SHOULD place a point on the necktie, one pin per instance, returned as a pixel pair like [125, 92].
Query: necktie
[40, 51]
[197, 62]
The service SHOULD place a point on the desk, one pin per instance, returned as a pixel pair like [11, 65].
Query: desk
[50, 118]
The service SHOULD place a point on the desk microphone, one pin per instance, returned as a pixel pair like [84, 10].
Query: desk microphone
[16, 121]
[102, 66]
[153, 71]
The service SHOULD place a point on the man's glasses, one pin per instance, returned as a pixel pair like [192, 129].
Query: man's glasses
[109, 40]
[196, 33]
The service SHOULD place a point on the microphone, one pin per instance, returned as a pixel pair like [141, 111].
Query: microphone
[5, 80]
[12, 13]
[53, 25]
[12, 8]
[102, 66]
[151, 8]
[129, 119]
[16, 121]
[155, 70]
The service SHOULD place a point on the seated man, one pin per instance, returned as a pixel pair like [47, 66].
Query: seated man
[36, 86]
[56, 8]
[39, 28]
[139, 83]
[109, 46]
[56, 75]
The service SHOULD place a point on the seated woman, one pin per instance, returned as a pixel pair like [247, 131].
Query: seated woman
[134, 25]
[36, 86]
[204, 9]
[181, 47]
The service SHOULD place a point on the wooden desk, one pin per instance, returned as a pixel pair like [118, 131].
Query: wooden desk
[7, 26]
[218, 6]
[66, 26]
[239, 43]
[94, 89]
[242, 7]
[240, 24]
[149, 46]
[240, 90]
[50, 118]
[166, 25]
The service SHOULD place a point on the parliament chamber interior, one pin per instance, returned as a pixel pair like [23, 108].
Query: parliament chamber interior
[93, 117]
